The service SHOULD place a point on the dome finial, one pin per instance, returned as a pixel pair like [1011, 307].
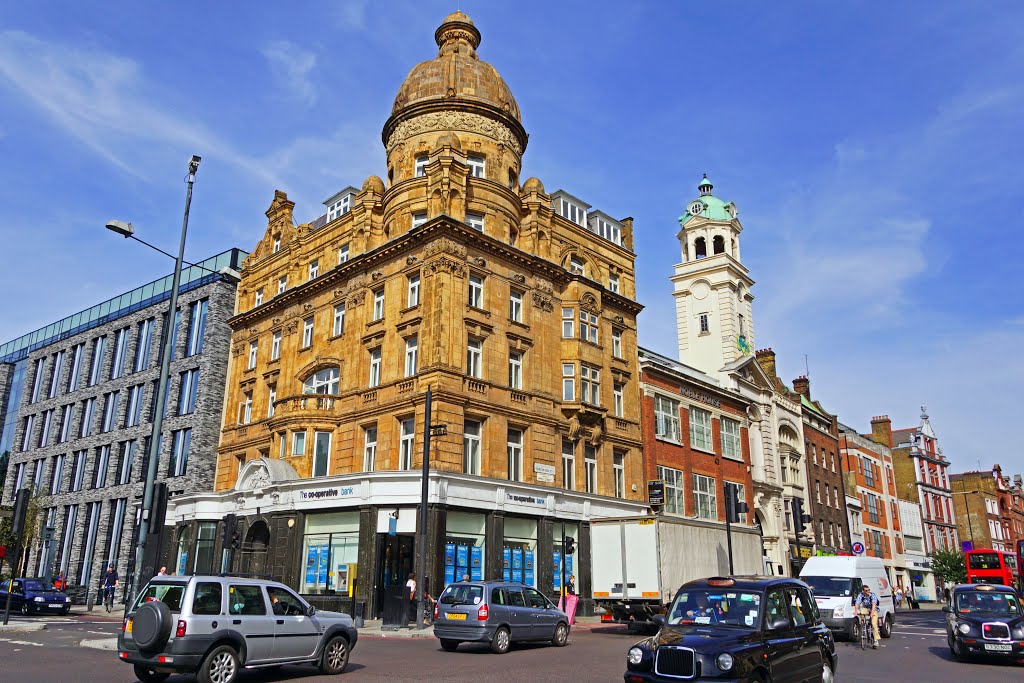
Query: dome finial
[457, 28]
[705, 186]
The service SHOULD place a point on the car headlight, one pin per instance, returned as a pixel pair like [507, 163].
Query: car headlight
[39, 598]
[635, 656]
[725, 661]
[964, 628]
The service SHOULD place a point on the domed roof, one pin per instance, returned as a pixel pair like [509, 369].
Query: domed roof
[533, 185]
[448, 139]
[711, 207]
[456, 73]
[374, 183]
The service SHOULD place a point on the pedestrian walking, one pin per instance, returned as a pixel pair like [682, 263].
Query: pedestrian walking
[946, 594]
[898, 595]
[162, 572]
[411, 585]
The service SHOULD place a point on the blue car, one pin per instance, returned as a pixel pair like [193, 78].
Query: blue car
[34, 596]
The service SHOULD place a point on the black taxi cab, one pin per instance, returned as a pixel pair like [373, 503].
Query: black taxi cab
[737, 629]
[985, 619]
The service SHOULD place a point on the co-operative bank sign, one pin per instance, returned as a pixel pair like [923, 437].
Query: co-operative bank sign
[326, 494]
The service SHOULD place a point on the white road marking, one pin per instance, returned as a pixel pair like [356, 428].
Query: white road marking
[20, 642]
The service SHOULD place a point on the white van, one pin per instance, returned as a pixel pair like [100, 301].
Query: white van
[836, 582]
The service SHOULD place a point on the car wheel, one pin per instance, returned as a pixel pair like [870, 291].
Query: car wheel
[885, 627]
[958, 650]
[220, 666]
[502, 639]
[449, 645]
[853, 633]
[827, 675]
[148, 675]
[756, 678]
[25, 609]
[335, 657]
[66, 611]
[561, 636]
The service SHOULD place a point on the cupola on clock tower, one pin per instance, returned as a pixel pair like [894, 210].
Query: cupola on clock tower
[712, 287]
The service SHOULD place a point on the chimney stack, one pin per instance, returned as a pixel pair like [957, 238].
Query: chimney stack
[881, 430]
[766, 359]
[802, 385]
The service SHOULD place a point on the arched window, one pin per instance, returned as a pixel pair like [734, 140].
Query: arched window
[719, 244]
[324, 381]
[577, 266]
[700, 248]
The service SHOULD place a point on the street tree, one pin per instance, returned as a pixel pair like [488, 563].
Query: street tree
[948, 566]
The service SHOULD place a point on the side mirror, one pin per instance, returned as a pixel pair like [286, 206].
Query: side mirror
[310, 611]
[779, 624]
[947, 609]
[660, 620]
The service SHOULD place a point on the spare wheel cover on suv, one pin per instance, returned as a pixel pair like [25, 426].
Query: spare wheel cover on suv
[151, 625]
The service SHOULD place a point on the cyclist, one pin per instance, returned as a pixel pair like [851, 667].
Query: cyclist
[867, 604]
[109, 584]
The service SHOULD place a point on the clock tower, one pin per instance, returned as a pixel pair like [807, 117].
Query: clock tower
[712, 288]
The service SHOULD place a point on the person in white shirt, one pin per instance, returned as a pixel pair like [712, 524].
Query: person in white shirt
[411, 585]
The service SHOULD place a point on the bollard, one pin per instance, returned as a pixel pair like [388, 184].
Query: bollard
[358, 620]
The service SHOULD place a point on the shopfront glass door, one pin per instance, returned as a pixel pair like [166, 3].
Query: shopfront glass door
[394, 564]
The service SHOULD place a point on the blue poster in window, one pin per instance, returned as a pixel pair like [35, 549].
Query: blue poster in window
[449, 575]
[517, 575]
[182, 562]
[506, 556]
[557, 564]
[311, 563]
[449, 554]
[322, 565]
[462, 556]
[506, 575]
[529, 559]
[477, 560]
[517, 558]
[528, 577]
[568, 565]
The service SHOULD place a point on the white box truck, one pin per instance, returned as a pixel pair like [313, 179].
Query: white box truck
[638, 563]
[836, 582]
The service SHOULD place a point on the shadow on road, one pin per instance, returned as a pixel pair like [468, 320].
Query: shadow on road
[944, 653]
[285, 673]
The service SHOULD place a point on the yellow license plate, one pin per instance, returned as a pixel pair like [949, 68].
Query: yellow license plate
[456, 616]
[128, 628]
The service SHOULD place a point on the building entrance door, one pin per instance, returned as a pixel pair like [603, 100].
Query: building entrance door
[394, 564]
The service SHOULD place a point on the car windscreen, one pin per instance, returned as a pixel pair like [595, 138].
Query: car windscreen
[989, 602]
[983, 561]
[715, 606]
[168, 593]
[462, 594]
[38, 586]
[831, 586]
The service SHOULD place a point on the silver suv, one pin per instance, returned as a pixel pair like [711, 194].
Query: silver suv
[214, 626]
[498, 613]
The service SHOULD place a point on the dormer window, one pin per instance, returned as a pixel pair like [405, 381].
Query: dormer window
[421, 166]
[477, 166]
[573, 212]
[608, 229]
[340, 207]
[277, 243]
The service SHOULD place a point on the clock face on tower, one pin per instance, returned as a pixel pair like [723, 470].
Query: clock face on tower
[696, 208]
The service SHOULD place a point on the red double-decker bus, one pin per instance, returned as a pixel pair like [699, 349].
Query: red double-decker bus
[991, 566]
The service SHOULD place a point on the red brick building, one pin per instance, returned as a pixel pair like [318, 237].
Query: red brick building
[826, 491]
[696, 439]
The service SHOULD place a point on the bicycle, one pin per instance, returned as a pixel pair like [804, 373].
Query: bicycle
[866, 632]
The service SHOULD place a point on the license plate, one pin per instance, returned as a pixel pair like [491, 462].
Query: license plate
[455, 616]
[128, 628]
[993, 647]
[56, 605]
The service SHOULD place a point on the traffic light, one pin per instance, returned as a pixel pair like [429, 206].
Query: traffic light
[229, 530]
[734, 506]
[570, 545]
[800, 520]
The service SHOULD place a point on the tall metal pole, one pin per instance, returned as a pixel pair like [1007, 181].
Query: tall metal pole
[730, 491]
[565, 559]
[421, 559]
[161, 399]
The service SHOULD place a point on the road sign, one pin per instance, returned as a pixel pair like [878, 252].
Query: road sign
[858, 548]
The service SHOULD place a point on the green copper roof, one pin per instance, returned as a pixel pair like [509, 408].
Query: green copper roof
[714, 209]
[806, 402]
[705, 181]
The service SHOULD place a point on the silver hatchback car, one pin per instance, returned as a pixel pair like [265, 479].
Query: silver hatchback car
[214, 626]
[499, 613]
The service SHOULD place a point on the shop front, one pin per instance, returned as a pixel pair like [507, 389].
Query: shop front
[350, 542]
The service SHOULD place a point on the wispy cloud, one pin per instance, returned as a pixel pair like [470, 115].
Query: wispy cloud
[103, 101]
[291, 66]
[351, 15]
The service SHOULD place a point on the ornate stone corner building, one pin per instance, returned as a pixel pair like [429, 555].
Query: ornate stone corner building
[514, 306]
[715, 326]
[80, 395]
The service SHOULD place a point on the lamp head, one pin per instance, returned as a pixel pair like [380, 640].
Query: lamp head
[121, 228]
[193, 164]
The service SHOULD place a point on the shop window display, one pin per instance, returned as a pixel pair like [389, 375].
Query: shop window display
[330, 552]
[464, 546]
[519, 551]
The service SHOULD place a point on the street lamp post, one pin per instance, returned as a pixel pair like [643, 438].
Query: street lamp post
[421, 561]
[161, 396]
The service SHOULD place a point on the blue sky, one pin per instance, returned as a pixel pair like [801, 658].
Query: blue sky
[874, 153]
